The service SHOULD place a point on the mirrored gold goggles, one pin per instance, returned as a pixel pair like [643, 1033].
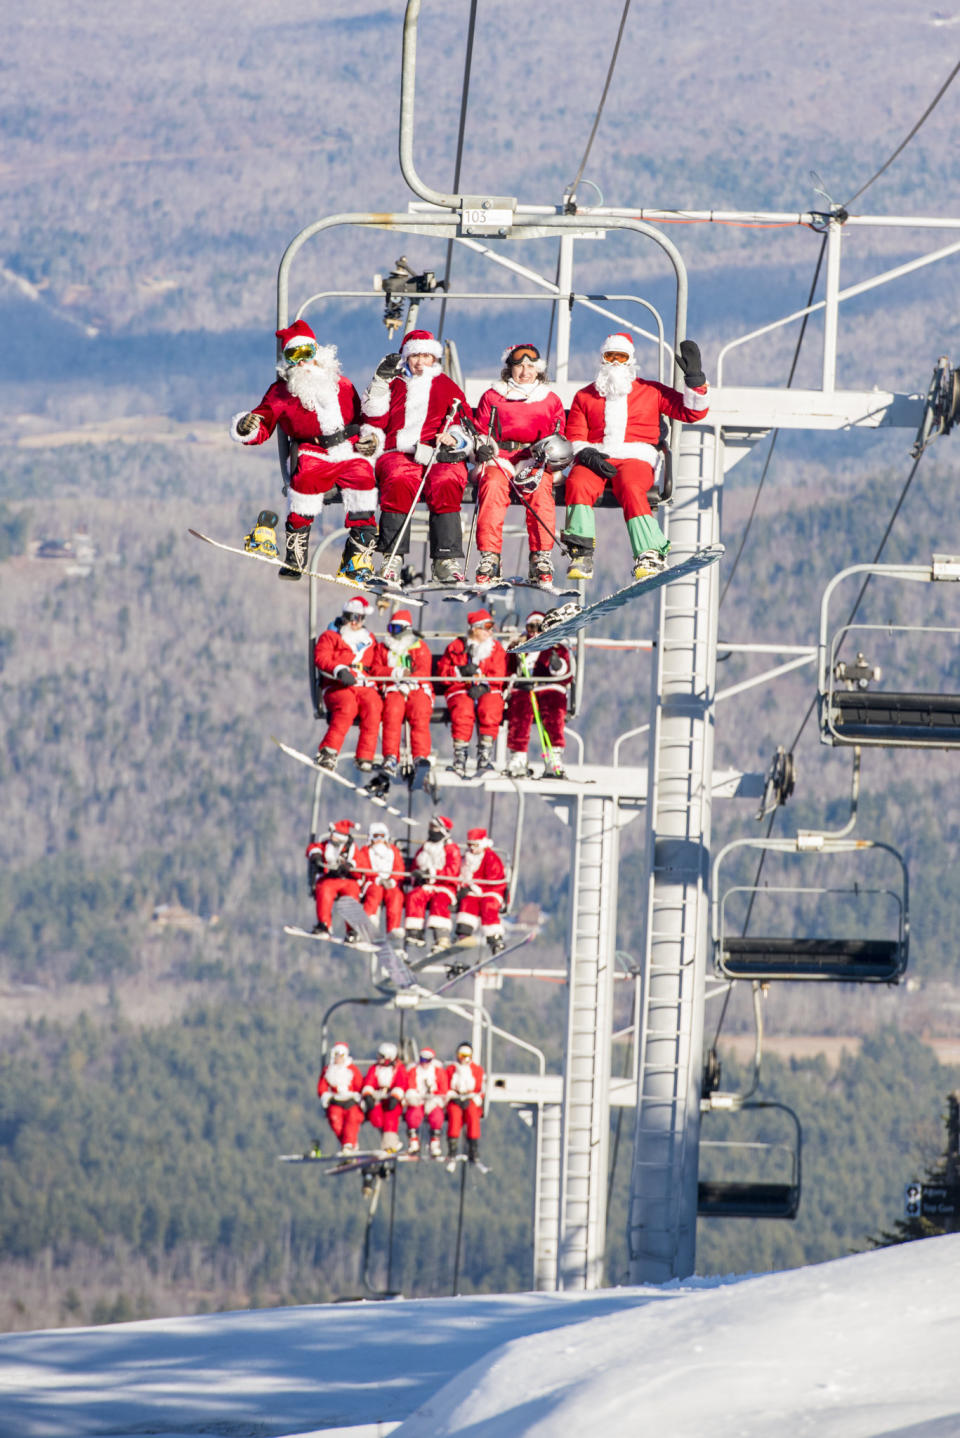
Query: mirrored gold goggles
[295, 353]
[615, 357]
[525, 354]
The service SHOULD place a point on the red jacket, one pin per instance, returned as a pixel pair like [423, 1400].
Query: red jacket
[466, 1081]
[383, 1080]
[439, 860]
[340, 1081]
[487, 877]
[411, 410]
[332, 652]
[416, 664]
[521, 417]
[427, 1084]
[492, 668]
[387, 864]
[628, 426]
[558, 683]
[280, 407]
[340, 861]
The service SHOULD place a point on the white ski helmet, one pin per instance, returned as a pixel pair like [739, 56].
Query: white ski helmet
[554, 452]
[340, 1052]
[379, 831]
[464, 1052]
[387, 1052]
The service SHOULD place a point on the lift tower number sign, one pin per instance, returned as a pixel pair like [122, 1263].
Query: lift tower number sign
[930, 1200]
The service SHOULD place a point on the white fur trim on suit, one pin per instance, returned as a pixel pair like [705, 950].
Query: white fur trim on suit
[309, 505]
[536, 391]
[415, 409]
[468, 921]
[376, 398]
[242, 438]
[614, 422]
[359, 501]
[335, 455]
[635, 449]
[422, 347]
[697, 399]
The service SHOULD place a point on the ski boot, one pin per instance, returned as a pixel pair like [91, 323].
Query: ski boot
[473, 1150]
[448, 571]
[320, 929]
[553, 769]
[485, 755]
[262, 538]
[436, 1147]
[327, 758]
[460, 751]
[347, 1150]
[351, 937]
[379, 785]
[440, 942]
[462, 933]
[580, 567]
[295, 558]
[496, 944]
[414, 936]
[452, 1145]
[315, 1150]
[356, 562]
[648, 563]
[391, 569]
[413, 1143]
[517, 766]
[540, 568]
[364, 765]
[488, 568]
[390, 1143]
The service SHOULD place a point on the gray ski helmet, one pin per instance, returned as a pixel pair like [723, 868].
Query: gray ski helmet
[387, 1051]
[554, 452]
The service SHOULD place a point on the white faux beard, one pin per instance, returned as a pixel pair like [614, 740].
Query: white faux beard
[313, 382]
[400, 643]
[615, 379]
[479, 649]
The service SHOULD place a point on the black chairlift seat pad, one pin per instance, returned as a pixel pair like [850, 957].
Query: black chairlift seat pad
[716, 1199]
[864, 713]
[848, 960]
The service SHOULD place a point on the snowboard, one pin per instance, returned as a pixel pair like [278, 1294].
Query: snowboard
[341, 779]
[308, 573]
[569, 619]
[360, 946]
[396, 974]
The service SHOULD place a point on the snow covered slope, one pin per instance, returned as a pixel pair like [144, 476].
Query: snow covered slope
[864, 1347]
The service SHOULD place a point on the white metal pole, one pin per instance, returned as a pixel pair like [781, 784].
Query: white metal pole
[565, 283]
[832, 306]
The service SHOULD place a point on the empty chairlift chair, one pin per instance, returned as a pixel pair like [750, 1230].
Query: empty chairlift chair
[771, 1187]
[853, 712]
[847, 959]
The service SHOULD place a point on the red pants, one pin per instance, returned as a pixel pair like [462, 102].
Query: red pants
[494, 498]
[478, 910]
[553, 711]
[329, 889]
[488, 712]
[343, 706]
[399, 478]
[345, 1120]
[392, 900]
[630, 484]
[457, 1115]
[314, 477]
[413, 1117]
[422, 901]
[385, 1115]
[415, 708]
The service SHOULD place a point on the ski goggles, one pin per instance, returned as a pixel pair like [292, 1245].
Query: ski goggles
[525, 352]
[615, 357]
[301, 350]
[396, 628]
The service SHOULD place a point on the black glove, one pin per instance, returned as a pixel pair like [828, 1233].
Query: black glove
[248, 424]
[389, 367]
[555, 664]
[418, 877]
[445, 454]
[390, 1102]
[692, 365]
[368, 1100]
[344, 869]
[468, 669]
[477, 691]
[596, 461]
[345, 676]
[485, 451]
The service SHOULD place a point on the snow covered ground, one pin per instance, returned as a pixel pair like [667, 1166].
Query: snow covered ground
[858, 1348]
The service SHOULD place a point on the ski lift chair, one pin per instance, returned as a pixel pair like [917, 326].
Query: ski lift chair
[852, 713]
[843, 960]
[755, 1197]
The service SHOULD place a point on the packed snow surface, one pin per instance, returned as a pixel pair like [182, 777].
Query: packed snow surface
[857, 1348]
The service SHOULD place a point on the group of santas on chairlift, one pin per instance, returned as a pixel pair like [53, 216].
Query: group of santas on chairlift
[446, 895]
[386, 681]
[413, 434]
[428, 1091]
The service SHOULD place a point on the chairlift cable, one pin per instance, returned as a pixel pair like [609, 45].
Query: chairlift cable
[603, 99]
[464, 97]
[904, 143]
[776, 432]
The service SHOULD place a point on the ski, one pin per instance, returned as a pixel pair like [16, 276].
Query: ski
[298, 933]
[381, 1157]
[517, 581]
[393, 966]
[569, 619]
[451, 1164]
[307, 573]
[440, 956]
[364, 793]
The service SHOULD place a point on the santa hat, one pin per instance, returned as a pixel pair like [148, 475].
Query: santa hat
[535, 614]
[401, 616]
[479, 616]
[299, 330]
[421, 342]
[511, 350]
[619, 344]
[356, 606]
[340, 1048]
[443, 822]
[343, 826]
[477, 836]
[427, 1054]
[379, 831]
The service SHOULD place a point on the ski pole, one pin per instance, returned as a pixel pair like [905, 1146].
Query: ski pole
[545, 746]
[451, 412]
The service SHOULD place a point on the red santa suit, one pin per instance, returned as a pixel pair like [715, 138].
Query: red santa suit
[405, 663]
[339, 864]
[521, 414]
[625, 427]
[404, 413]
[338, 1089]
[490, 657]
[552, 695]
[313, 404]
[465, 1099]
[349, 650]
[426, 1096]
[384, 1090]
[384, 884]
[436, 864]
[482, 900]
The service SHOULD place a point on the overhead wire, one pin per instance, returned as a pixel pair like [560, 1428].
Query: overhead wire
[603, 100]
[905, 142]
